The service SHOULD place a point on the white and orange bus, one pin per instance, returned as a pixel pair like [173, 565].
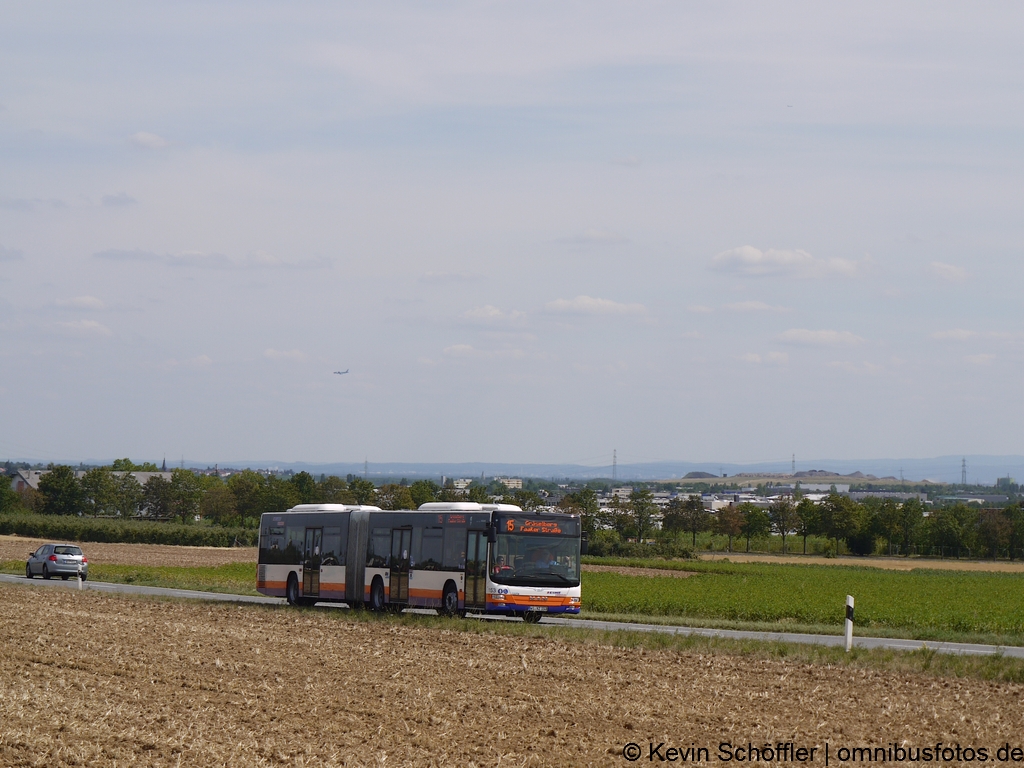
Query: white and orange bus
[457, 557]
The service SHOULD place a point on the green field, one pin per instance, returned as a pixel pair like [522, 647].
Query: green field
[235, 578]
[918, 603]
[922, 604]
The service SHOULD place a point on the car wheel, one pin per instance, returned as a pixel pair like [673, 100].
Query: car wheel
[292, 592]
[63, 577]
[28, 570]
[377, 602]
[46, 572]
[450, 601]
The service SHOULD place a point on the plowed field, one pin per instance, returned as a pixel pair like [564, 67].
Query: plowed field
[18, 547]
[94, 679]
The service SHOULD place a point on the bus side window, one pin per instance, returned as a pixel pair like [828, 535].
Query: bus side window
[295, 545]
[379, 548]
[431, 550]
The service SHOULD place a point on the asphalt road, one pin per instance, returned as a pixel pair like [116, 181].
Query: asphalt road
[971, 649]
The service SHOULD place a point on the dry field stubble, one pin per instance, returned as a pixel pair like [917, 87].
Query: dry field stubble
[93, 679]
[18, 547]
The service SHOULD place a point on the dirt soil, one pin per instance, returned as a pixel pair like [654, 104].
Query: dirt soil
[18, 547]
[103, 680]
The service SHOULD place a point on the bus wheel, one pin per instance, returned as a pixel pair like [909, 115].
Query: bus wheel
[449, 600]
[532, 617]
[292, 592]
[377, 596]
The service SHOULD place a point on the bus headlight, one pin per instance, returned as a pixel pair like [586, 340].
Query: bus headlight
[573, 600]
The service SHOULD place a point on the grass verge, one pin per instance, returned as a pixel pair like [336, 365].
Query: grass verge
[233, 578]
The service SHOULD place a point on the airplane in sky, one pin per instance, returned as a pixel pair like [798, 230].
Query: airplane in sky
[342, 373]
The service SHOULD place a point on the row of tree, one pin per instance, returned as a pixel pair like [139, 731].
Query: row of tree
[114, 491]
[864, 527]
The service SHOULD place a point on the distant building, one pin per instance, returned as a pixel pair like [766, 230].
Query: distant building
[29, 478]
[512, 483]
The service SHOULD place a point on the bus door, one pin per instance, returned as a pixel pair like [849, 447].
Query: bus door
[476, 569]
[311, 562]
[401, 542]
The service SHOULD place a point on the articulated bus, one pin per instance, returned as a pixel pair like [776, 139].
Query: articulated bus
[457, 557]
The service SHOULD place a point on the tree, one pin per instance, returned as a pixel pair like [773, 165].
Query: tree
[218, 505]
[126, 465]
[889, 521]
[62, 491]
[642, 509]
[305, 486]
[808, 519]
[478, 494]
[687, 515]
[248, 488]
[911, 516]
[156, 497]
[729, 523]
[994, 529]
[1015, 514]
[128, 495]
[583, 503]
[392, 496]
[9, 499]
[99, 489]
[334, 490]
[278, 495]
[839, 519]
[954, 527]
[423, 492]
[782, 515]
[364, 490]
[186, 494]
[755, 521]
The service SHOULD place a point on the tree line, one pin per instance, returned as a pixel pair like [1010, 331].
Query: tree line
[874, 525]
[114, 491]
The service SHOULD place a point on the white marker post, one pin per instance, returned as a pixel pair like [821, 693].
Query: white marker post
[79, 575]
[849, 622]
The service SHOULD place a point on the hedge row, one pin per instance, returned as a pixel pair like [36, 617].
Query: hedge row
[125, 531]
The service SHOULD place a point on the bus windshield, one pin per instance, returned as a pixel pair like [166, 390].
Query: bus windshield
[536, 560]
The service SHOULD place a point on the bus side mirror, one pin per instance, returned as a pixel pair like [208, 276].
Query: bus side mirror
[583, 544]
[492, 534]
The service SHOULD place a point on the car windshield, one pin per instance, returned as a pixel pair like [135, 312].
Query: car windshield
[67, 551]
[531, 560]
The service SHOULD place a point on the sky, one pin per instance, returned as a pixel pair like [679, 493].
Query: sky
[531, 232]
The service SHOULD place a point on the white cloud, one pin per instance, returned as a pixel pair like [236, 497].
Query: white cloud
[820, 338]
[587, 305]
[947, 272]
[983, 359]
[491, 315]
[772, 358]
[957, 334]
[84, 328]
[82, 302]
[754, 306]
[291, 355]
[148, 140]
[747, 260]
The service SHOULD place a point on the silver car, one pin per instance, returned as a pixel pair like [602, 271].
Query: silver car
[62, 560]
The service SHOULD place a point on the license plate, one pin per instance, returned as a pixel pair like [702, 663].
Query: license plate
[536, 608]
